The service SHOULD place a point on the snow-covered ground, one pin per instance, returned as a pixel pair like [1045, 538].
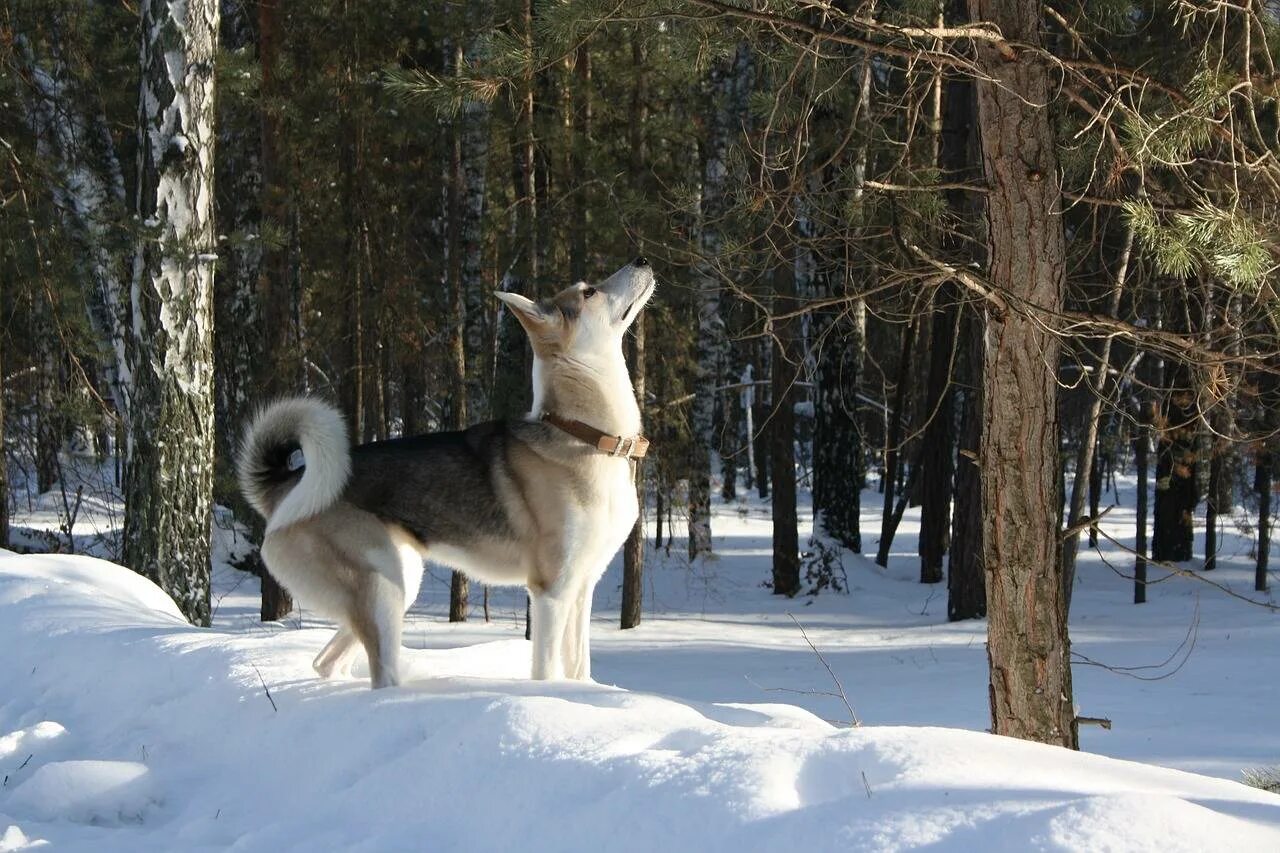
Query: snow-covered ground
[712, 726]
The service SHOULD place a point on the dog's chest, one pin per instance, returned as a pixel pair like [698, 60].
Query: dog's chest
[612, 507]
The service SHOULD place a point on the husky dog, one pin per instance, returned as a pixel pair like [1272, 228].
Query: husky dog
[544, 501]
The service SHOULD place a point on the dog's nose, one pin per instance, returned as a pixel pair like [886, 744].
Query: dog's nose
[641, 261]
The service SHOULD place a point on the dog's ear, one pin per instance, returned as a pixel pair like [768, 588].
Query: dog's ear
[528, 312]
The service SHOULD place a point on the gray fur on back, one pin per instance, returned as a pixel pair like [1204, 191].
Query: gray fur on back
[440, 487]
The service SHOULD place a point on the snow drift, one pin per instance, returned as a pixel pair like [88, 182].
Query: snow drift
[122, 728]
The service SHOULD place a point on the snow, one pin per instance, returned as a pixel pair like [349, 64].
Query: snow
[123, 728]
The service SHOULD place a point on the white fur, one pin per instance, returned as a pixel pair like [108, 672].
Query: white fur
[322, 433]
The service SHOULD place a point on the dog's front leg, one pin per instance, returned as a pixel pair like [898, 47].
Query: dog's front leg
[578, 637]
[552, 613]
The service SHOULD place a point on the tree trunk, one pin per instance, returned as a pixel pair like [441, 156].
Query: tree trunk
[1213, 503]
[275, 291]
[786, 537]
[169, 477]
[1095, 492]
[1176, 463]
[1262, 483]
[1086, 459]
[1141, 451]
[936, 448]
[966, 579]
[1027, 643]
[892, 450]
[838, 465]
[241, 346]
[4, 456]
[731, 445]
[730, 86]
[456, 346]
[958, 159]
[837, 439]
[760, 416]
[633, 550]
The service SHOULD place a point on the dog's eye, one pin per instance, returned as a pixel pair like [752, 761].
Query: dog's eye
[588, 293]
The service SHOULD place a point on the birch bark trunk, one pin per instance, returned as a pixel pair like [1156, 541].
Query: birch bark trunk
[169, 477]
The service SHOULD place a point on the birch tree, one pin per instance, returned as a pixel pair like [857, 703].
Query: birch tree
[729, 85]
[169, 476]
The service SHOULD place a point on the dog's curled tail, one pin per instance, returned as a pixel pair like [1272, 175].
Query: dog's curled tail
[268, 467]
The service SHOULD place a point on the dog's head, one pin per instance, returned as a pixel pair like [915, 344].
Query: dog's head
[583, 319]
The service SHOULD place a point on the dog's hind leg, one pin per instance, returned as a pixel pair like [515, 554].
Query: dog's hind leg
[377, 623]
[336, 656]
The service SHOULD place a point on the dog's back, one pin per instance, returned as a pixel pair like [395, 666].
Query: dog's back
[440, 487]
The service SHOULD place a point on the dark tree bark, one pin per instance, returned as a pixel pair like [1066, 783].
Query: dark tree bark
[659, 512]
[4, 458]
[169, 477]
[1141, 453]
[1262, 483]
[1176, 464]
[1027, 644]
[274, 294]
[937, 446]
[958, 157]
[966, 579]
[760, 411]
[782, 423]
[837, 439]
[731, 445]
[893, 452]
[1095, 491]
[241, 346]
[1214, 503]
[633, 550]
[456, 360]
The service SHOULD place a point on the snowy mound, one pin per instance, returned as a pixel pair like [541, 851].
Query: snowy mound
[121, 728]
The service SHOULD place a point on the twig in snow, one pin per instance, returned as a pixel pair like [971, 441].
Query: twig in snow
[265, 687]
[853, 716]
[924, 608]
[20, 766]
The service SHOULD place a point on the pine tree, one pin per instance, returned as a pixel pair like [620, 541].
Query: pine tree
[1030, 681]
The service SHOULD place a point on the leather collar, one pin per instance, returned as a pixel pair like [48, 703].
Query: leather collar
[627, 447]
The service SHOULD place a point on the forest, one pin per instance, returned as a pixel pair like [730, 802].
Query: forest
[973, 262]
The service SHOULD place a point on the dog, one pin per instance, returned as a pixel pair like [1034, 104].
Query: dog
[543, 501]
